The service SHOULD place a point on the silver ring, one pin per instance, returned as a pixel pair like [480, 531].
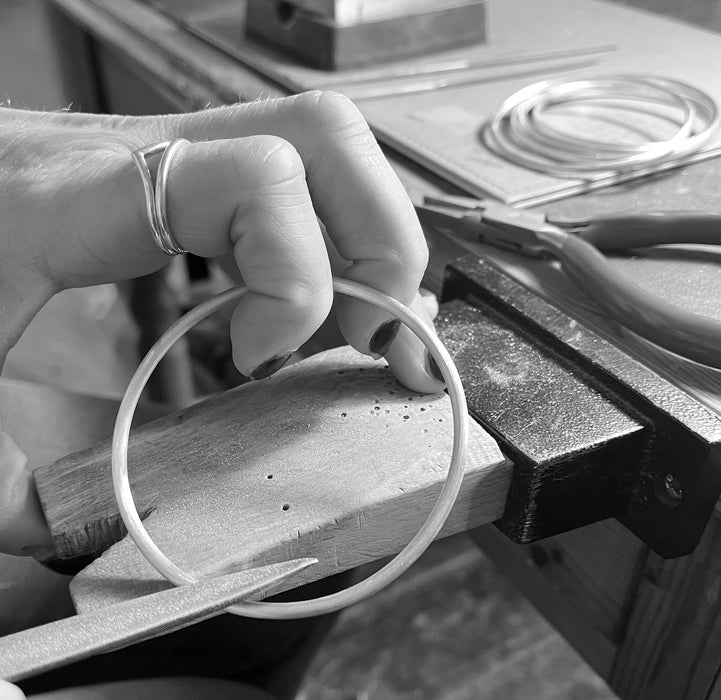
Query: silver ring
[156, 197]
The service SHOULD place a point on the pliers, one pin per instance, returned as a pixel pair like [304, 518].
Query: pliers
[576, 244]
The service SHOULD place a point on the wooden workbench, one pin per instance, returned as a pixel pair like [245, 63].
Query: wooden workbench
[650, 627]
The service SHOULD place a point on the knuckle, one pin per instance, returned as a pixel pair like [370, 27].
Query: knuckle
[306, 301]
[418, 256]
[310, 299]
[411, 249]
[329, 111]
[272, 161]
[411, 262]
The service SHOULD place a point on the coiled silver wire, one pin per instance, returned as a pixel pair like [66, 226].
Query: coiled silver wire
[521, 131]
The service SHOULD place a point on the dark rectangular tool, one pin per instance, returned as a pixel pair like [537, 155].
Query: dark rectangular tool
[593, 433]
[329, 45]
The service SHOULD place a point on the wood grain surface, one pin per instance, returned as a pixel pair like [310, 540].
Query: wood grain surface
[331, 457]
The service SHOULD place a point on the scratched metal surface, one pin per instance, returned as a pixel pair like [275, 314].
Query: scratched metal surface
[513, 365]
[564, 432]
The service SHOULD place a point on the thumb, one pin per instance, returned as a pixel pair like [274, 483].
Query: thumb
[23, 529]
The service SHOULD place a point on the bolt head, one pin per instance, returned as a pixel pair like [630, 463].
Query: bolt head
[672, 488]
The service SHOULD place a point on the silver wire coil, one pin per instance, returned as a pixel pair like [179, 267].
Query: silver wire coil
[522, 132]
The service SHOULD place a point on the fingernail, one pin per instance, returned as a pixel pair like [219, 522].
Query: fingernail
[270, 367]
[383, 338]
[433, 369]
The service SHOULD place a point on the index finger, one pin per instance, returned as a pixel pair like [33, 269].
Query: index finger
[355, 192]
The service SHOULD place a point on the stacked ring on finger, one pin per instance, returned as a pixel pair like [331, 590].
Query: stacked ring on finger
[156, 199]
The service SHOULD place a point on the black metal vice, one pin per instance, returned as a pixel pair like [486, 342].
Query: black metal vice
[593, 433]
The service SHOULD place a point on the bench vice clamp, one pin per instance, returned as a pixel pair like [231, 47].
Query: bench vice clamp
[594, 433]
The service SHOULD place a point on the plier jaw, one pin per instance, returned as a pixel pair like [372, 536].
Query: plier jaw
[485, 221]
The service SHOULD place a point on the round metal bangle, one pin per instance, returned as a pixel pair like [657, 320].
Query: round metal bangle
[379, 579]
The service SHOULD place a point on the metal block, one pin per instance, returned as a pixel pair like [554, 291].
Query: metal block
[327, 44]
[351, 11]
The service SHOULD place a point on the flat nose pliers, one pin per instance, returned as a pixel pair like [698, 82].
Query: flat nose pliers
[578, 245]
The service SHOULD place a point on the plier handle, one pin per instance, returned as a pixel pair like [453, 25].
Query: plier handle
[576, 244]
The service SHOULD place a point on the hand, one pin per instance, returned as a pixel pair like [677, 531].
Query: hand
[252, 184]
